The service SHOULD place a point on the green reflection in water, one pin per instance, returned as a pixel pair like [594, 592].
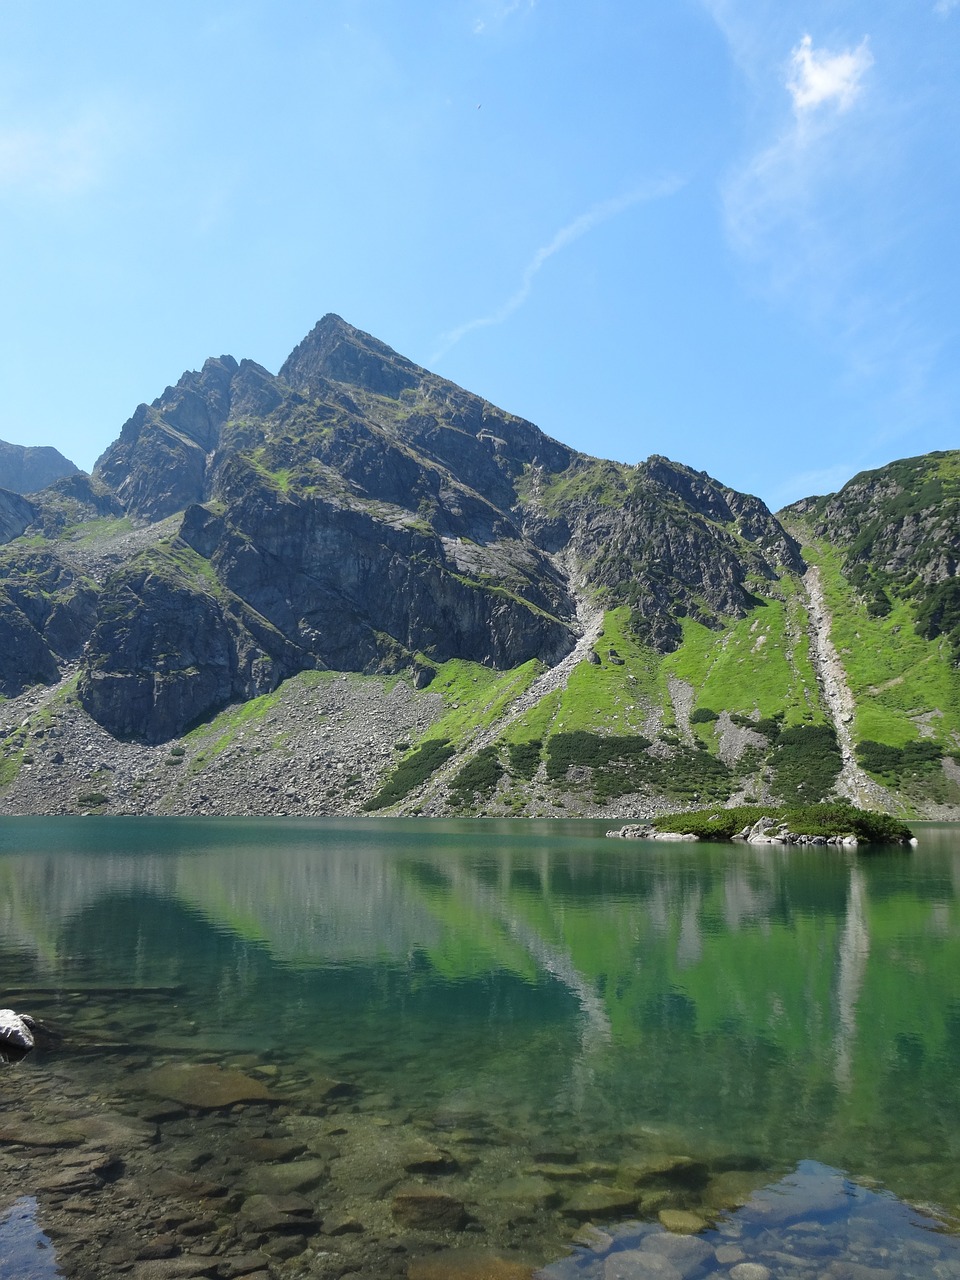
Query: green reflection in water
[777, 1006]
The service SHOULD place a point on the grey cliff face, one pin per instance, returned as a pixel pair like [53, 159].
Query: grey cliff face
[16, 515]
[357, 512]
[27, 469]
[46, 613]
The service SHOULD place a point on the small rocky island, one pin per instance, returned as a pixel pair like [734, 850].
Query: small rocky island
[839, 825]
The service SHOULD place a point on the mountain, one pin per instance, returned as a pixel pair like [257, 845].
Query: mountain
[420, 601]
[26, 469]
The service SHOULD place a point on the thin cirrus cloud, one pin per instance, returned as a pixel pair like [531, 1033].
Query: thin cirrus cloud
[580, 226]
[945, 7]
[61, 160]
[499, 12]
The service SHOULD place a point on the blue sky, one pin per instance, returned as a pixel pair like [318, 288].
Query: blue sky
[721, 230]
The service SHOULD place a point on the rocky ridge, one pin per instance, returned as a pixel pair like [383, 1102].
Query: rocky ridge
[29, 468]
[357, 514]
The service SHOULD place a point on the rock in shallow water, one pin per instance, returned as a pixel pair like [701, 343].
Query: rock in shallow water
[469, 1264]
[598, 1201]
[278, 1214]
[285, 1179]
[428, 1209]
[206, 1087]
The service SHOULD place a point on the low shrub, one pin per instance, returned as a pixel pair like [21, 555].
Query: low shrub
[478, 777]
[92, 800]
[703, 715]
[411, 771]
[806, 761]
[899, 764]
[525, 758]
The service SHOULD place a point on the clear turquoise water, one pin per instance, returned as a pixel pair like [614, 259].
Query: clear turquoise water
[770, 1007]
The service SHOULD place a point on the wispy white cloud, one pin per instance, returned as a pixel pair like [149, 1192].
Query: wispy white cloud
[59, 159]
[945, 7]
[819, 78]
[826, 213]
[580, 226]
[775, 202]
[497, 12]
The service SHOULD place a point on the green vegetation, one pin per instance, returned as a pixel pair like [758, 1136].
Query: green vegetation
[215, 735]
[897, 765]
[622, 765]
[411, 772]
[612, 697]
[593, 482]
[826, 820]
[525, 758]
[11, 762]
[806, 762]
[915, 769]
[938, 614]
[590, 751]
[232, 721]
[101, 529]
[894, 673]
[478, 778]
[475, 697]
[92, 800]
[757, 663]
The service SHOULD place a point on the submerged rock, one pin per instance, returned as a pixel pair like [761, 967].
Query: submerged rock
[598, 1201]
[469, 1264]
[206, 1087]
[428, 1209]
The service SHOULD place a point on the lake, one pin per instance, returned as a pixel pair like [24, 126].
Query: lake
[435, 1048]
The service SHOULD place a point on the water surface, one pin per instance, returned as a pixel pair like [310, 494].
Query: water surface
[541, 995]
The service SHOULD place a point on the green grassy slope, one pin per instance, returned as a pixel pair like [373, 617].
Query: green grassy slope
[637, 729]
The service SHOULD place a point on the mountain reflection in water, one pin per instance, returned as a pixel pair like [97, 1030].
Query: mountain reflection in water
[742, 1008]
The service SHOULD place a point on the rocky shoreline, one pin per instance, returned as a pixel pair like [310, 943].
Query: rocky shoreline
[765, 831]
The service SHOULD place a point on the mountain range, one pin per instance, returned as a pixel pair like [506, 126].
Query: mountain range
[354, 586]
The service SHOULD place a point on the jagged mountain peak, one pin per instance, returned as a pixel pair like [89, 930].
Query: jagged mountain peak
[356, 511]
[335, 351]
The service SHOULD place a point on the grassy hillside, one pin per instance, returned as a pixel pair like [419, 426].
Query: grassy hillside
[734, 713]
[906, 688]
[758, 665]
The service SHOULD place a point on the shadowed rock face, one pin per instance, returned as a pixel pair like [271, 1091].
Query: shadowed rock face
[359, 513]
[16, 514]
[27, 469]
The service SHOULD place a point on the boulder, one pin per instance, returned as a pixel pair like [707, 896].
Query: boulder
[16, 1030]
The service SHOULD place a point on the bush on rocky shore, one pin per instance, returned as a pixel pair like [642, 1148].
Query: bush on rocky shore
[836, 822]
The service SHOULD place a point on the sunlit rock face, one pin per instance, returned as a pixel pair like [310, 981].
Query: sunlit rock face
[356, 512]
[16, 1033]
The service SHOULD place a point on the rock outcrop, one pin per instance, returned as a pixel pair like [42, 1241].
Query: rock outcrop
[29, 468]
